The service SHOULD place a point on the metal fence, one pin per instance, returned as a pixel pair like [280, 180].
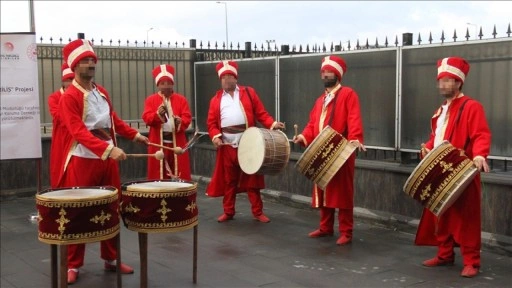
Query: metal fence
[396, 84]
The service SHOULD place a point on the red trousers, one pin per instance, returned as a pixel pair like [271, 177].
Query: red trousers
[470, 255]
[345, 220]
[91, 172]
[232, 178]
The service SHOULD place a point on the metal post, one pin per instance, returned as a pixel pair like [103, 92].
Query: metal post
[32, 18]
[248, 51]
[226, 14]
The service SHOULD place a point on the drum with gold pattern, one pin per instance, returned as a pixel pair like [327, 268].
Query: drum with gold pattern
[440, 178]
[77, 215]
[159, 205]
[325, 156]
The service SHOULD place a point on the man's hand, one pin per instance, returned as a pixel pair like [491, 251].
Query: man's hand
[217, 142]
[481, 164]
[358, 144]
[117, 154]
[279, 125]
[177, 121]
[424, 150]
[299, 139]
[142, 139]
[162, 110]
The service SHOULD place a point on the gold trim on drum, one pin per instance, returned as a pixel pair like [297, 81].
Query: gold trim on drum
[459, 173]
[164, 210]
[101, 218]
[162, 227]
[80, 238]
[425, 167]
[159, 194]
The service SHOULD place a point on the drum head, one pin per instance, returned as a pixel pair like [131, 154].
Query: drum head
[158, 186]
[81, 193]
[251, 150]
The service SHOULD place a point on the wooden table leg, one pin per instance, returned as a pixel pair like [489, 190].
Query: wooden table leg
[194, 265]
[118, 261]
[143, 252]
[63, 266]
[54, 265]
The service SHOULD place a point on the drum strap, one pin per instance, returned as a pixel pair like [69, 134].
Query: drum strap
[457, 122]
[333, 108]
[252, 104]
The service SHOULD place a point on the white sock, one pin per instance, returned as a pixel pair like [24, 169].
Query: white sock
[111, 262]
[73, 269]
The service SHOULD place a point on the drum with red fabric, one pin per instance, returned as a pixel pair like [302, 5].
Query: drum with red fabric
[440, 178]
[159, 206]
[263, 151]
[325, 156]
[77, 215]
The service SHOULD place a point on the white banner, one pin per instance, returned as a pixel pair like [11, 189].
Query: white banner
[19, 97]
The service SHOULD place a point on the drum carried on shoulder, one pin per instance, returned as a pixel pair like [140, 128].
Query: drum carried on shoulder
[440, 178]
[325, 156]
[263, 151]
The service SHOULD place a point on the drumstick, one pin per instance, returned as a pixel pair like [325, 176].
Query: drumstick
[177, 150]
[159, 155]
[296, 128]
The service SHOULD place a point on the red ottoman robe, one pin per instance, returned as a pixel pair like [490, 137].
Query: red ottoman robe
[73, 101]
[339, 193]
[180, 108]
[462, 219]
[253, 110]
[57, 138]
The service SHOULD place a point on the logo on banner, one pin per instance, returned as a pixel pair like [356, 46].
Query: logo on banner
[9, 56]
[8, 46]
[32, 52]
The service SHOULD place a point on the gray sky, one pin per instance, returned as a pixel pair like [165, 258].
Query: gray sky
[286, 22]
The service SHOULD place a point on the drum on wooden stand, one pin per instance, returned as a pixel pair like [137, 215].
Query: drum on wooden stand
[263, 151]
[440, 178]
[77, 215]
[155, 206]
[159, 206]
[325, 156]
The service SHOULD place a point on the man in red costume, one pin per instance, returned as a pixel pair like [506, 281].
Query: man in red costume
[233, 109]
[53, 105]
[337, 107]
[460, 120]
[89, 146]
[168, 116]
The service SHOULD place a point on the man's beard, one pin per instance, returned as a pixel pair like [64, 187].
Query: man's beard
[447, 94]
[330, 82]
[87, 75]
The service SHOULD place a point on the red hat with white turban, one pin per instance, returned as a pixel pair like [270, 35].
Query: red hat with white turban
[227, 67]
[67, 74]
[77, 50]
[453, 67]
[163, 72]
[334, 64]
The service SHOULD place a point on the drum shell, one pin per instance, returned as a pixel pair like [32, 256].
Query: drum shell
[440, 178]
[325, 156]
[275, 156]
[159, 209]
[76, 221]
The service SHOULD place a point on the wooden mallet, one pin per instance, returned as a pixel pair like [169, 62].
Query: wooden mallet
[177, 150]
[159, 155]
